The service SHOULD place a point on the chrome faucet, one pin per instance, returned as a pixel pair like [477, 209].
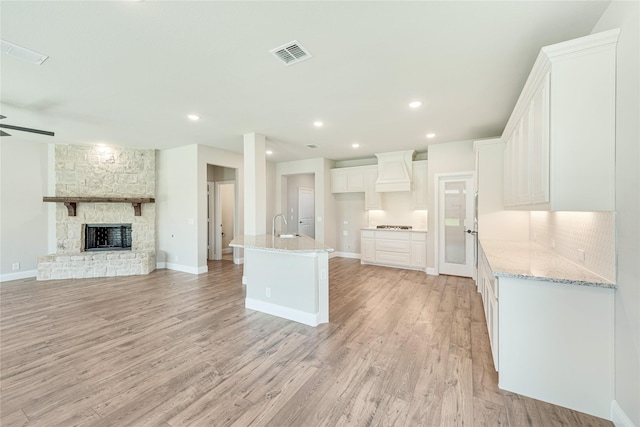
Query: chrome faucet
[273, 223]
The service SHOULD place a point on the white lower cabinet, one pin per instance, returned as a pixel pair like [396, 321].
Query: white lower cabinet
[549, 340]
[488, 288]
[403, 249]
[368, 247]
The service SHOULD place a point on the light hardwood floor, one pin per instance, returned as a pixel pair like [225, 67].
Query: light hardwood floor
[174, 349]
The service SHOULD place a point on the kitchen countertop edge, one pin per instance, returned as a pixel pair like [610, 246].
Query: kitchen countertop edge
[416, 230]
[542, 257]
[266, 242]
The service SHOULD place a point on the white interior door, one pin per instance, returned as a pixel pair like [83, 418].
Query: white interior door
[224, 221]
[226, 193]
[455, 218]
[211, 235]
[306, 211]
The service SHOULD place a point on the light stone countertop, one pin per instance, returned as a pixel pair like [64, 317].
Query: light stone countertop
[415, 230]
[529, 260]
[266, 242]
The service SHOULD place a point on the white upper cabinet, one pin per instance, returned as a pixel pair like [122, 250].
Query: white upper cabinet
[419, 185]
[347, 180]
[372, 199]
[560, 138]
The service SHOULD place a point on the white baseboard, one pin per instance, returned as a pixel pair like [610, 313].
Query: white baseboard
[619, 417]
[19, 275]
[227, 250]
[161, 265]
[284, 312]
[352, 255]
[238, 260]
[185, 268]
[431, 271]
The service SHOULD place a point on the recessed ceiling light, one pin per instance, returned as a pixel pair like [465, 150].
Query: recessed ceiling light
[415, 104]
[269, 152]
[193, 117]
[431, 135]
[355, 145]
[318, 123]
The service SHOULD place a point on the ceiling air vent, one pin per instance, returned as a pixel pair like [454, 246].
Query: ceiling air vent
[291, 53]
[311, 146]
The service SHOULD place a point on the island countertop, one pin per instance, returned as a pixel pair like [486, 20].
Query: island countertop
[266, 242]
[529, 260]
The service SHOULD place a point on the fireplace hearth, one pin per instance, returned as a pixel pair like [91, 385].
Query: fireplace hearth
[107, 237]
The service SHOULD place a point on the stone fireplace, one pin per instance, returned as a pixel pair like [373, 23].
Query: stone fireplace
[125, 241]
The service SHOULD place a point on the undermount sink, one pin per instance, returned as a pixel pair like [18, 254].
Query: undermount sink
[287, 235]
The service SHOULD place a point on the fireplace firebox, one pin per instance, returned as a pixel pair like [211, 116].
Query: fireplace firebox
[107, 237]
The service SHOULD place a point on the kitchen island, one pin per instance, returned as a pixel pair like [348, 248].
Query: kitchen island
[286, 276]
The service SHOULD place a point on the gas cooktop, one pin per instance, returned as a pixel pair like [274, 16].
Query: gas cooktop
[394, 227]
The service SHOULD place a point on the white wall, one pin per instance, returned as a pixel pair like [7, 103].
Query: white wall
[181, 203]
[24, 219]
[294, 182]
[206, 155]
[626, 15]
[325, 219]
[444, 158]
[349, 208]
[177, 208]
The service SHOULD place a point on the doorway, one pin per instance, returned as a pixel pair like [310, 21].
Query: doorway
[455, 210]
[224, 218]
[221, 212]
[299, 203]
[306, 211]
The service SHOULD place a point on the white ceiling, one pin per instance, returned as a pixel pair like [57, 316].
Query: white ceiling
[128, 73]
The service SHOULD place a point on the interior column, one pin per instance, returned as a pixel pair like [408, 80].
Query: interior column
[255, 184]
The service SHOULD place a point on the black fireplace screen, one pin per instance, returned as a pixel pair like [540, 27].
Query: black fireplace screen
[107, 237]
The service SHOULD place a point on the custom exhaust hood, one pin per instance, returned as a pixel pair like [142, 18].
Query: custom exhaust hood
[394, 171]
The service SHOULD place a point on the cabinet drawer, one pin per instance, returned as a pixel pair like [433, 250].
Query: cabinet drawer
[367, 233]
[395, 235]
[395, 258]
[393, 246]
[418, 237]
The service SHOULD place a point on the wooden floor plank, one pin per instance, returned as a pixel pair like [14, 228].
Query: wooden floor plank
[174, 349]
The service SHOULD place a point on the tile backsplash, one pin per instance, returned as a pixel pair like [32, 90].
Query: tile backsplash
[567, 233]
[398, 211]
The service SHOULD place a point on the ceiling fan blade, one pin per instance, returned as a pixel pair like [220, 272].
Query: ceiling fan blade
[3, 133]
[42, 132]
[2, 117]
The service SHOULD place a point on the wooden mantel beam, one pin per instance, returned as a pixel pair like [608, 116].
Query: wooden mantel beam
[72, 202]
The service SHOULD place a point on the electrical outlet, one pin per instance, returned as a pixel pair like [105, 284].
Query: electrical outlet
[175, 258]
[581, 255]
[268, 292]
[15, 266]
[323, 274]
[535, 237]
[553, 243]
[346, 222]
[345, 233]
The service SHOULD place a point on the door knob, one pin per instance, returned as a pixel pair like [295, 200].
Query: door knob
[472, 232]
